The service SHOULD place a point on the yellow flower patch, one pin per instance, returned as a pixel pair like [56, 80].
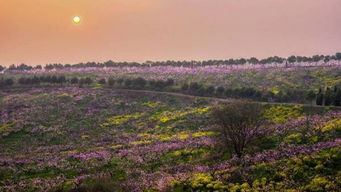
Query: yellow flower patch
[165, 138]
[167, 116]
[294, 138]
[151, 104]
[5, 129]
[202, 134]
[63, 95]
[97, 86]
[183, 136]
[144, 135]
[201, 179]
[332, 125]
[180, 152]
[116, 146]
[85, 136]
[282, 113]
[275, 90]
[121, 119]
[141, 142]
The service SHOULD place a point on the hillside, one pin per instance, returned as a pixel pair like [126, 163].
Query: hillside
[68, 138]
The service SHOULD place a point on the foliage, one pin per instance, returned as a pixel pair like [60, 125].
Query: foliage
[240, 124]
[282, 113]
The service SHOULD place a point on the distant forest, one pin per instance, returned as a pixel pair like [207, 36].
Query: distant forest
[241, 61]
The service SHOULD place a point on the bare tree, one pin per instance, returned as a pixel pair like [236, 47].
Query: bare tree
[240, 123]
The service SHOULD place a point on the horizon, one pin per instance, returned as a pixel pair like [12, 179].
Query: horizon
[130, 62]
[40, 32]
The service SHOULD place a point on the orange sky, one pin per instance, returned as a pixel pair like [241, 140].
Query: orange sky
[41, 31]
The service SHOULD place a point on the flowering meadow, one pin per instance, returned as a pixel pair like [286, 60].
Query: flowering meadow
[96, 139]
[274, 76]
[150, 128]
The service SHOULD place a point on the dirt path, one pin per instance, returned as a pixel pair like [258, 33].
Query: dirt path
[179, 95]
[217, 99]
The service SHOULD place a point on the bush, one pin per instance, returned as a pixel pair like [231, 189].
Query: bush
[220, 91]
[210, 90]
[169, 82]
[6, 82]
[184, 86]
[102, 81]
[127, 82]
[74, 80]
[120, 81]
[86, 81]
[139, 83]
[159, 84]
[111, 81]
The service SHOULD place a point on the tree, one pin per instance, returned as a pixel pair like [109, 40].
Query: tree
[311, 96]
[120, 81]
[111, 81]
[159, 84]
[210, 90]
[338, 56]
[319, 97]
[184, 86]
[170, 82]
[194, 86]
[220, 91]
[74, 80]
[61, 79]
[317, 58]
[38, 67]
[86, 80]
[127, 82]
[6, 82]
[253, 60]
[240, 123]
[292, 59]
[326, 58]
[22, 80]
[54, 79]
[328, 99]
[102, 81]
[337, 99]
[9, 82]
[139, 83]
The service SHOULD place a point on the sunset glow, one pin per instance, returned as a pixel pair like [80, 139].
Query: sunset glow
[170, 95]
[41, 32]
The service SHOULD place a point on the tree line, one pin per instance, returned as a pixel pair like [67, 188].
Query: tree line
[295, 95]
[6, 82]
[49, 79]
[240, 61]
[329, 96]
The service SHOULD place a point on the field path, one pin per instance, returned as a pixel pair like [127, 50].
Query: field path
[225, 100]
[219, 99]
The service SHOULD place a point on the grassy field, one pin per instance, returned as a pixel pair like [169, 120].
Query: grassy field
[273, 79]
[94, 139]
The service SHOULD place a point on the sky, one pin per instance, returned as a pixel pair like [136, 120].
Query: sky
[37, 32]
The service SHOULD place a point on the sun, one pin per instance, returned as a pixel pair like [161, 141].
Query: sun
[76, 19]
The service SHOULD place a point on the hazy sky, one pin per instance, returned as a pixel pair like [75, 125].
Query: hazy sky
[42, 31]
